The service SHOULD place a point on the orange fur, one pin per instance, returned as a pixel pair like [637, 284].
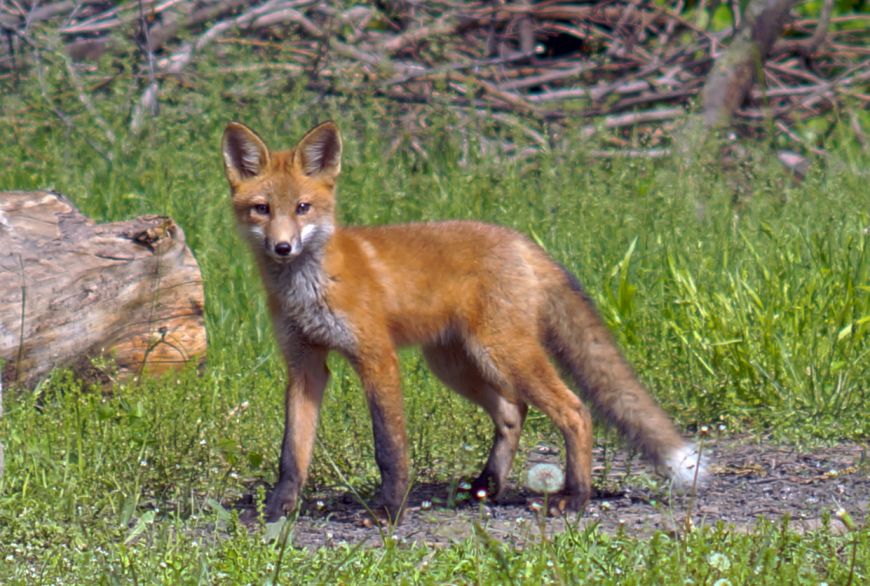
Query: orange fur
[489, 308]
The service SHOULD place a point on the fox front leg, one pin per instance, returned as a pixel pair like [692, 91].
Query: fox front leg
[308, 377]
[379, 372]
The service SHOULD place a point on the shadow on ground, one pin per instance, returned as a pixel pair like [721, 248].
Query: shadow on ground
[749, 480]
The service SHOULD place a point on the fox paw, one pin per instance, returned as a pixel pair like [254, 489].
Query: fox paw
[486, 487]
[558, 504]
[279, 504]
[381, 515]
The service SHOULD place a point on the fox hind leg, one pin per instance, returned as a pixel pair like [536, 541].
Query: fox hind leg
[451, 363]
[546, 391]
[527, 371]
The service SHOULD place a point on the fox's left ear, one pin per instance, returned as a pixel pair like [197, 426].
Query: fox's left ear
[319, 151]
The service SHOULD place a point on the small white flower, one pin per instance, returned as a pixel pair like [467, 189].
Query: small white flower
[719, 561]
[545, 478]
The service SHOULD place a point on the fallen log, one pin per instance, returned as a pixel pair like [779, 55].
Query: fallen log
[72, 291]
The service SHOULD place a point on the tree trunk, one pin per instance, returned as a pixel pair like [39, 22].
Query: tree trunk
[731, 78]
[734, 71]
[72, 291]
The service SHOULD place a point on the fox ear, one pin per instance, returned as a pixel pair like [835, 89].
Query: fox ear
[319, 151]
[245, 153]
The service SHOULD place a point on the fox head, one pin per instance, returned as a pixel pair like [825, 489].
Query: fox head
[284, 200]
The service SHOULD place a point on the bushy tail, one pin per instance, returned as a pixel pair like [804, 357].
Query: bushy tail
[582, 344]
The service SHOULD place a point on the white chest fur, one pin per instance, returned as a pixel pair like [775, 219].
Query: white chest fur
[301, 288]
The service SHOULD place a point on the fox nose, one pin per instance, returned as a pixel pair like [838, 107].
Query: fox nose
[283, 248]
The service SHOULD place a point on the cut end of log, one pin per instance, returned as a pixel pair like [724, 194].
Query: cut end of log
[76, 294]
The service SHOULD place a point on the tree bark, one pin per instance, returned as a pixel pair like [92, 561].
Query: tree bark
[72, 291]
[729, 82]
[734, 72]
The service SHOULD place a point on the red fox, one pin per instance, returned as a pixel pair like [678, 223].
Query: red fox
[489, 308]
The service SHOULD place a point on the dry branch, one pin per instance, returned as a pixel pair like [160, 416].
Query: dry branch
[544, 61]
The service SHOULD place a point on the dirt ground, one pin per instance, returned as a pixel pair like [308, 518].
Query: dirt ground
[749, 480]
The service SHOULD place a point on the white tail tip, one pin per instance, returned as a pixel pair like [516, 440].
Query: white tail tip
[686, 468]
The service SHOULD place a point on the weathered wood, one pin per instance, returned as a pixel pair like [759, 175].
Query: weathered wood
[735, 70]
[731, 79]
[72, 290]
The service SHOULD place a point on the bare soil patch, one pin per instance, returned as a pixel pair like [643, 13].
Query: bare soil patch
[749, 481]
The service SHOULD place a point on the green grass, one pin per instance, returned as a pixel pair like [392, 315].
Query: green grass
[754, 316]
[165, 553]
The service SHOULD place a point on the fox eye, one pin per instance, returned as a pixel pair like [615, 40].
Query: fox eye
[302, 208]
[262, 209]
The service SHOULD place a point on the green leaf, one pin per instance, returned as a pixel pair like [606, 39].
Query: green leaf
[255, 459]
[219, 510]
[722, 18]
[141, 525]
[127, 509]
[277, 530]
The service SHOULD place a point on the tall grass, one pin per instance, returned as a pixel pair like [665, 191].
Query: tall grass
[747, 315]
[754, 315]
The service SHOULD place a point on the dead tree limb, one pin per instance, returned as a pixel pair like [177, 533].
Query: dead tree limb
[735, 70]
